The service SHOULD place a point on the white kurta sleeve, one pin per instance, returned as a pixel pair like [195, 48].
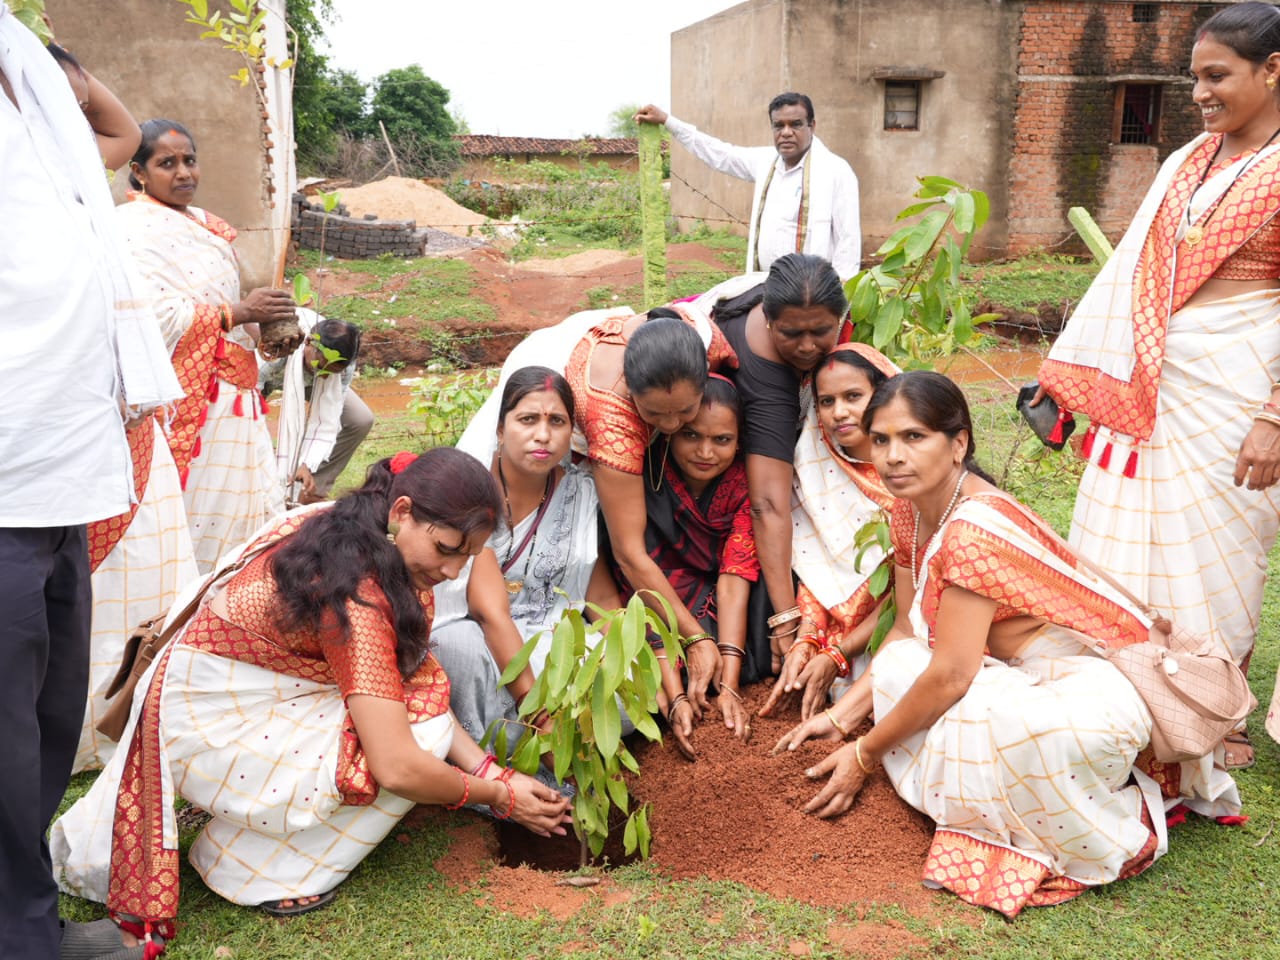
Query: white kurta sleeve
[741, 162]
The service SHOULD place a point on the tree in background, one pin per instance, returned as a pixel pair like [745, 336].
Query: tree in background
[622, 122]
[415, 111]
[313, 127]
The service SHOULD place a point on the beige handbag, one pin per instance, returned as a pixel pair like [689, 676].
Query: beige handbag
[1195, 691]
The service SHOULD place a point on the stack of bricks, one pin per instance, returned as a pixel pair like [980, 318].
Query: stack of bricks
[352, 238]
[1074, 58]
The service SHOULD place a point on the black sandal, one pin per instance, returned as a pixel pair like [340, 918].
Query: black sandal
[274, 907]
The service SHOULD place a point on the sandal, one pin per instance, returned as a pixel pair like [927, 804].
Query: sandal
[277, 909]
[1231, 745]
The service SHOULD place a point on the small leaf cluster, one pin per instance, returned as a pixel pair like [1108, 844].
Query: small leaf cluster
[240, 30]
[914, 303]
[30, 14]
[875, 533]
[447, 403]
[594, 672]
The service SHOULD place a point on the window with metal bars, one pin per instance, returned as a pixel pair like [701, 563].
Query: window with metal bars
[902, 105]
[1137, 117]
[1145, 12]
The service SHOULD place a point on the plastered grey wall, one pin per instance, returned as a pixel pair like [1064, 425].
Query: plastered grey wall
[156, 63]
[724, 71]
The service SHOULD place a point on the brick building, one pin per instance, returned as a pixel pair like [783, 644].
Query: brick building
[479, 151]
[1102, 98]
[1044, 104]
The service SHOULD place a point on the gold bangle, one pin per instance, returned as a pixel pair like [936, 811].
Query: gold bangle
[857, 754]
[732, 692]
[838, 725]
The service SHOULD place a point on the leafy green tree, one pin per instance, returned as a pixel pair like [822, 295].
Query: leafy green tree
[313, 124]
[345, 102]
[415, 110]
[622, 120]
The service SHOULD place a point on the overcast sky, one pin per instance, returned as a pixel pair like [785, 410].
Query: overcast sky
[546, 68]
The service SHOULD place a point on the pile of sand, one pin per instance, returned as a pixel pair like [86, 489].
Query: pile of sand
[399, 198]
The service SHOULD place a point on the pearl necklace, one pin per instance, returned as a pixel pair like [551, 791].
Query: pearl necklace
[915, 531]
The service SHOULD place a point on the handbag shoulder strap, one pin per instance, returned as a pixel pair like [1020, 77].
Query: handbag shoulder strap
[173, 624]
[1084, 562]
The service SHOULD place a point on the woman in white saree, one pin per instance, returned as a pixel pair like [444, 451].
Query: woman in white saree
[218, 432]
[1174, 355]
[995, 714]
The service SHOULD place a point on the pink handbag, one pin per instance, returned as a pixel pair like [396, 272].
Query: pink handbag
[1195, 692]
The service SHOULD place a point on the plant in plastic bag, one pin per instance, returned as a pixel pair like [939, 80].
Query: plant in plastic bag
[594, 672]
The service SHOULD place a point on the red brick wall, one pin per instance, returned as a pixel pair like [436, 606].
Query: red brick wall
[1070, 54]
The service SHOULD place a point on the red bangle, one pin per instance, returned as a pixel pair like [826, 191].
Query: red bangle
[466, 792]
[483, 766]
[842, 664]
[805, 642]
[505, 777]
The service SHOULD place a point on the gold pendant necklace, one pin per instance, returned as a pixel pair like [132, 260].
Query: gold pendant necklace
[1195, 231]
[655, 484]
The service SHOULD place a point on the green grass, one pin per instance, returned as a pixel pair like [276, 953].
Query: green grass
[1029, 281]
[435, 291]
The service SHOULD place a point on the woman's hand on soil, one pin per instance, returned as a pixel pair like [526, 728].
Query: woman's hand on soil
[539, 809]
[681, 723]
[816, 679]
[1259, 459]
[846, 780]
[736, 718]
[788, 682]
[817, 727]
[703, 660]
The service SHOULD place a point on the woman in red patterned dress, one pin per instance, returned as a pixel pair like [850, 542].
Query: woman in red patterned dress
[699, 536]
[302, 708]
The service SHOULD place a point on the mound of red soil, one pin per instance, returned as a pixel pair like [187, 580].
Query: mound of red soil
[736, 814]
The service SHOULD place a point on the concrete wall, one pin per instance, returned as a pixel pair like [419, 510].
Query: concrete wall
[159, 67]
[724, 72]
[965, 116]
[726, 69]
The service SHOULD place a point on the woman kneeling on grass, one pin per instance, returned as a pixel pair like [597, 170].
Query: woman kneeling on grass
[301, 707]
[699, 535]
[534, 567]
[836, 492]
[995, 716]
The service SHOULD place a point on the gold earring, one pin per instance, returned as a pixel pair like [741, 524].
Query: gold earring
[1271, 83]
[393, 529]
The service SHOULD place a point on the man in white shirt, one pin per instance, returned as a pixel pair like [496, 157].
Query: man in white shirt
[806, 198]
[80, 350]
